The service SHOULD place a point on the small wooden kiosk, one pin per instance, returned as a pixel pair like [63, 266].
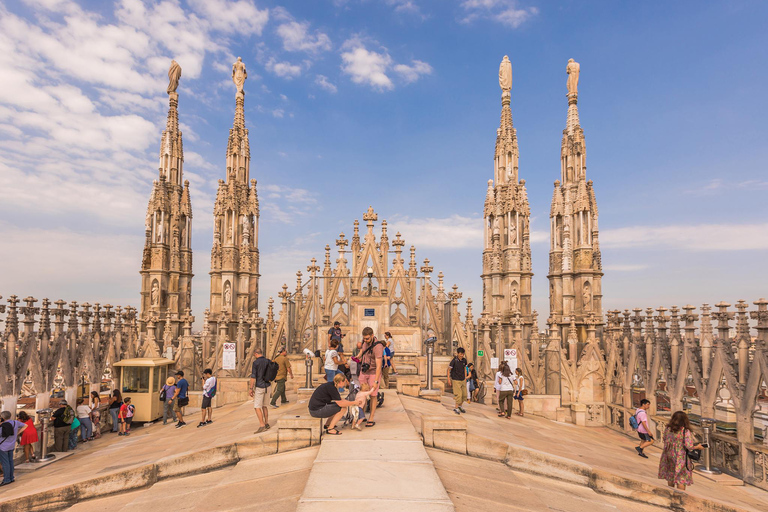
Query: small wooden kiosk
[142, 379]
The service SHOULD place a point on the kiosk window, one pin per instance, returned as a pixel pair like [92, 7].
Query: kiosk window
[135, 379]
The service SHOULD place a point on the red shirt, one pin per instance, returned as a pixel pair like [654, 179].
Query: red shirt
[123, 411]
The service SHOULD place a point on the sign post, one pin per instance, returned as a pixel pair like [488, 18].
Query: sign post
[229, 357]
[510, 356]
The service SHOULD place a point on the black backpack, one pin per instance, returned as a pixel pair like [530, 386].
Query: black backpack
[271, 373]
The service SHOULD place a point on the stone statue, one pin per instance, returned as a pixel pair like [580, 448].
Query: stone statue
[155, 294]
[239, 74]
[573, 76]
[227, 294]
[512, 234]
[513, 299]
[505, 74]
[174, 73]
[586, 297]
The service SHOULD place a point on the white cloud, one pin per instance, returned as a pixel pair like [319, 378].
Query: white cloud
[701, 237]
[718, 186]
[286, 204]
[323, 82]
[454, 232]
[278, 112]
[296, 37]
[506, 12]
[283, 69]
[414, 71]
[372, 68]
[406, 7]
[624, 268]
[240, 16]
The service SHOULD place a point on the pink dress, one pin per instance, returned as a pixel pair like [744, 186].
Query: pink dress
[672, 466]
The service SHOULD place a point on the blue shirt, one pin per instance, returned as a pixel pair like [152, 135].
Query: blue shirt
[10, 443]
[183, 385]
[388, 353]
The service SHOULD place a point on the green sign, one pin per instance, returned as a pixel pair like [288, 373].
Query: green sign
[480, 353]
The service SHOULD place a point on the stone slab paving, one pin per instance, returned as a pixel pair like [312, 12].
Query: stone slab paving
[476, 484]
[381, 468]
[601, 448]
[273, 483]
[111, 453]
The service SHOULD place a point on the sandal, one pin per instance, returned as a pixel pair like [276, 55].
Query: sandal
[333, 432]
[370, 423]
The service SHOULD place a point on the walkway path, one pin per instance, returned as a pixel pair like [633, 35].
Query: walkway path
[601, 448]
[383, 468]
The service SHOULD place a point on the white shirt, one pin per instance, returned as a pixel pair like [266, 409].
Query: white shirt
[507, 383]
[329, 364]
[520, 383]
[83, 411]
[210, 382]
[496, 381]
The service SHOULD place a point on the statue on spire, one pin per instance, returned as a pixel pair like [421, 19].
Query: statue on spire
[174, 73]
[239, 74]
[573, 77]
[505, 74]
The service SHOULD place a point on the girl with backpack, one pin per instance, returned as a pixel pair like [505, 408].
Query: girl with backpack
[678, 441]
[167, 397]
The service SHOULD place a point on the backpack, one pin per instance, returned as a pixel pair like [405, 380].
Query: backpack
[69, 415]
[270, 373]
[633, 422]
[212, 392]
[163, 396]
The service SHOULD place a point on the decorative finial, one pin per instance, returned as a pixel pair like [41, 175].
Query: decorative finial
[505, 74]
[174, 73]
[239, 74]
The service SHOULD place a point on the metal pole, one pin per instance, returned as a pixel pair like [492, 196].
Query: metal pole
[430, 343]
[308, 364]
[707, 424]
[44, 415]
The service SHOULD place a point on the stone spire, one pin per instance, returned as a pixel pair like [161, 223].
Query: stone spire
[575, 272]
[235, 254]
[507, 254]
[166, 269]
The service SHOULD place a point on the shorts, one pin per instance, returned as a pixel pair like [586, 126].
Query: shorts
[128, 421]
[259, 394]
[645, 437]
[177, 404]
[369, 378]
[518, 396]
[326, 411]
[206, 402]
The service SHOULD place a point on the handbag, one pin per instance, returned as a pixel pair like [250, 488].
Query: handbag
[162, 394]
[691, 455]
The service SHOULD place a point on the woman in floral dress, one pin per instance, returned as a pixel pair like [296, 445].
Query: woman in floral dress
[673, 466]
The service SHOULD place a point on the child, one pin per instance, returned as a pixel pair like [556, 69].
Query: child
[28, 437]
[125, 416]
[361, 398]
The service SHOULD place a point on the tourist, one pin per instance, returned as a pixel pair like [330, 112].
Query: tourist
[457, 376]
[360, 398]
[520, 390]
[496, 387]
[84, 416]
[95, 404]
[389, 366]
[643, 430]
[182, 399]
[129, 412]
[326, 402]
[283, 372]
[332, 360]
[390, 341]
[73, 433]
[334, 333]
[506, 386]
[170, 390]
[122, 417]
[29, 437]
[115, 402]
[471, 383]
[9, 431]
[258, 387]
[209, 391]
[371, 362]
[63, 417]
[678, 439]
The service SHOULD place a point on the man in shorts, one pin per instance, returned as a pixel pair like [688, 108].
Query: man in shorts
[371, 354]
[326, 402]
[181, 398]
[209, 391]
[258, 389]
[643, 430]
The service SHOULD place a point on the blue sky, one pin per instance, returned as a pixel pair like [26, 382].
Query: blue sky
[392, 103]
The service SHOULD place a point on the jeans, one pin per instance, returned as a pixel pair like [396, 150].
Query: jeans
[6, 461]
[279, 392]
[168, 411]
[86, 428]
[61, 439]
[72, 439]
[115, 424]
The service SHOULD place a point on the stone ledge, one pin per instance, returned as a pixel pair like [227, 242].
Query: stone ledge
[445, 433]
[298, 432]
